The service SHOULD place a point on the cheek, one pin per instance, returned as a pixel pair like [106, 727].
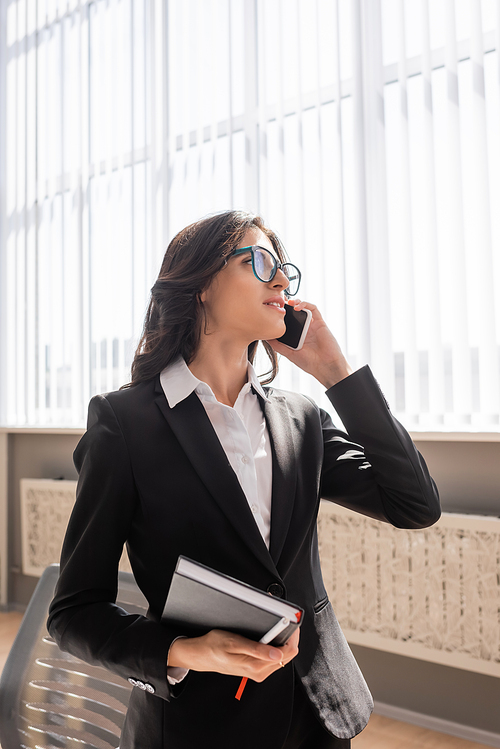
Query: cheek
[227, 303]
[242, 292]
[236, 301]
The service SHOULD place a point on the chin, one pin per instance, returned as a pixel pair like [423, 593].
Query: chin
[270, 335]
[268, 329]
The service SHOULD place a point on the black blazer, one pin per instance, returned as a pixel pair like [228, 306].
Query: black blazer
[158, 479]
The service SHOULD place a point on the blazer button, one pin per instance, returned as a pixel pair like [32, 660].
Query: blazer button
[150, 688]
[275, 589]
[132, 681]
[141, 685]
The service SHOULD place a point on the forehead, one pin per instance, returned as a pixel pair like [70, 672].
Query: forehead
[256, 236]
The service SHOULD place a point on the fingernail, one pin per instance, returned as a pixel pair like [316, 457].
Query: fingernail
[275, 655]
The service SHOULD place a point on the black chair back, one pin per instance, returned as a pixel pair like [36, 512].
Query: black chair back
[53, 700]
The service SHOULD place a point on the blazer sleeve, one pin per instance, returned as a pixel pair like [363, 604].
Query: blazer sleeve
[374, 468]
[83, 617]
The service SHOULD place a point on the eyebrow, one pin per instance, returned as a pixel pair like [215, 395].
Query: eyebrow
[245, 251]
[272, 251]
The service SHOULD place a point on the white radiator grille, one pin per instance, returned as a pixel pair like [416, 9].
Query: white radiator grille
[432, 594]
[46, 505]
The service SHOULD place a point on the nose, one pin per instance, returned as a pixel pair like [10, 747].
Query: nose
[280, 280]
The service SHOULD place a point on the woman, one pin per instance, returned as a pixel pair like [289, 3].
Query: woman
[195, 457]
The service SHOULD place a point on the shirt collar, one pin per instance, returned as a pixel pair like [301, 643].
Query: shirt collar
[253, 380]
[178, 382]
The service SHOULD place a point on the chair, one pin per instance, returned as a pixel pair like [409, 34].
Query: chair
[50, 699]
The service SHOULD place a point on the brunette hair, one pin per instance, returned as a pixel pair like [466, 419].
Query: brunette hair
[175, 314]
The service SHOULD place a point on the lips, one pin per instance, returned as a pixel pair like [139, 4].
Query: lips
[276, 301]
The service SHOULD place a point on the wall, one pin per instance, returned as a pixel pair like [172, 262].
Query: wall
[468, 477]
[462, 697]
[44, 456]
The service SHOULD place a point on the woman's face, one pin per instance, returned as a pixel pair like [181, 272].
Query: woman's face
[238, 304]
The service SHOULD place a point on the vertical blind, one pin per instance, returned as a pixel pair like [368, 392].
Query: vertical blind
[365, 132]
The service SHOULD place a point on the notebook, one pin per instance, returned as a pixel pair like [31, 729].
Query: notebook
[201, 599]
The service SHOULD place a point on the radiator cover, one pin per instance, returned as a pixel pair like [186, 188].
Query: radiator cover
[432, 594]
[46, 505]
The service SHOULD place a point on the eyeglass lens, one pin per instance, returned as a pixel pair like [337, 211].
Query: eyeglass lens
[293, 276]
[265, 266]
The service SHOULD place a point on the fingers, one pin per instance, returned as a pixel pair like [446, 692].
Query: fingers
[229, 653]
[298, 304]
[243, 646]
[254, 659]
[257, 650]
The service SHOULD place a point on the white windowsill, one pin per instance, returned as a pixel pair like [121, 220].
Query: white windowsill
[42, 430]
[455, 436]
[416, 436]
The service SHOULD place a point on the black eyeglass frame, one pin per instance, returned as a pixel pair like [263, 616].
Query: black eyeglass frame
[276, 265]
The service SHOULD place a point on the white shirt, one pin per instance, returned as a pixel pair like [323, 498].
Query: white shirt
[243, 434]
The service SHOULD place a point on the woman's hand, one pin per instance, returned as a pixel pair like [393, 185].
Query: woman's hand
[227, 653]
[321, 354]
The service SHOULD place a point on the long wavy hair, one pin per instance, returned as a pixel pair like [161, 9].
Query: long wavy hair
[176, 317]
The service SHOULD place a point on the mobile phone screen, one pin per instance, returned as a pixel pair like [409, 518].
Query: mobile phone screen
[294, 322]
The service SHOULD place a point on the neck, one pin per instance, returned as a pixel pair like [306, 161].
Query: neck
[223, 366]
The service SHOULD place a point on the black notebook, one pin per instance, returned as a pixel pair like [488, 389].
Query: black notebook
[201, 599]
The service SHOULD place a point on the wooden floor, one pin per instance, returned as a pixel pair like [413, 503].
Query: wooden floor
[384, 733]
[9, 624]
[380, 733]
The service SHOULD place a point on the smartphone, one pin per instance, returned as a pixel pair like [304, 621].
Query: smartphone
[297, 325]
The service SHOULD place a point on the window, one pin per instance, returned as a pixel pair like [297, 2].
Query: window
[365, 133]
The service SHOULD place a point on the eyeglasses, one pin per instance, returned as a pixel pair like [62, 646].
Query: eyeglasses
[265, 266]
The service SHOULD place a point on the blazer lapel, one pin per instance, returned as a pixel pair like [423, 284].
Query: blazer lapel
[192, 427]
[284, 470]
